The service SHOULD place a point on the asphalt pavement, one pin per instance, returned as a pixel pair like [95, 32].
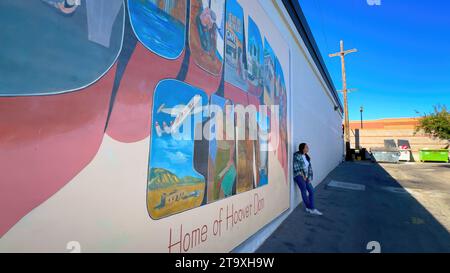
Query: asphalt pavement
[372, 207]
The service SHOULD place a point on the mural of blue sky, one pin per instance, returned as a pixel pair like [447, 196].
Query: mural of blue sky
[264, 125]
[278, 70]
[269, 67]
[219, 7]
[234, 8]
[255, 58]
[157, 29]
[235, 56]
[268, 51]
[254, 38]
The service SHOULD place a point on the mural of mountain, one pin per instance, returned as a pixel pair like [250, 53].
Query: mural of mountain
[162, 178]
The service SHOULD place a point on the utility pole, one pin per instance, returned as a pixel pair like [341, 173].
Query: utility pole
[342, 54]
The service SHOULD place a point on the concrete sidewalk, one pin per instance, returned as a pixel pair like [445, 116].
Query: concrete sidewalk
[404, 207]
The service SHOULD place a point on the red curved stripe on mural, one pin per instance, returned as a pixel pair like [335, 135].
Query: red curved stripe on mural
[198, 77]
[254, 90]
[45, 141]
[130, 119]
[253, 100]
[235, 94]
[282, 157]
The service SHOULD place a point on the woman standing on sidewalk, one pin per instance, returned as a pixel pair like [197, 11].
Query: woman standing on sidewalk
[303, 176]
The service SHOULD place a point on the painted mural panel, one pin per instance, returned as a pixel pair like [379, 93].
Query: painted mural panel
[206, 37]
[160, 25]
[235, 57]
[269, 74]
[281, 100]
[255, 59]
[277, 91]
[263, 120]
[222, 156]
[173, 183]
[246, 161]
[60, 48]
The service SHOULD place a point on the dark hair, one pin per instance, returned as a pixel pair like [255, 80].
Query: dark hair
[301, 149]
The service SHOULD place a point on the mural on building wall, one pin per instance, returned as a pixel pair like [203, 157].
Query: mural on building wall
[160, 25]
[235, 57]
[128, 68]
[206, 36]
[241, 164]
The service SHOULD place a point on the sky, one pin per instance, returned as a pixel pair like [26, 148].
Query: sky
[403, 59]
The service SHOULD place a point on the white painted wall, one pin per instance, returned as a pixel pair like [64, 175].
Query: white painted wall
[312, 114]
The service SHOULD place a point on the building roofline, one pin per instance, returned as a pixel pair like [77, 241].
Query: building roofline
[295, 12]
[401, 119]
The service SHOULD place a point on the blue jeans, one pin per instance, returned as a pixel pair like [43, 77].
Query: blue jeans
[306, 187]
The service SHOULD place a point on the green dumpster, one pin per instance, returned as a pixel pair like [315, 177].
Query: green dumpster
[438, 155]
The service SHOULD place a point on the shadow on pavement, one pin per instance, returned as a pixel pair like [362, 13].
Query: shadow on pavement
[384, 212]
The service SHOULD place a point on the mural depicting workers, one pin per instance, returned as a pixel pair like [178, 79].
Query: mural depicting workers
[206, 35]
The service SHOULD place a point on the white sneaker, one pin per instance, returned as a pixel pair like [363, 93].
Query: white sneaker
[316, 212]
[308, 210]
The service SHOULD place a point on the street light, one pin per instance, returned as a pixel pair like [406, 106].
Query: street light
[361, 110]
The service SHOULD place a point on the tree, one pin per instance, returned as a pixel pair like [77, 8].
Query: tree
[436, 124]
